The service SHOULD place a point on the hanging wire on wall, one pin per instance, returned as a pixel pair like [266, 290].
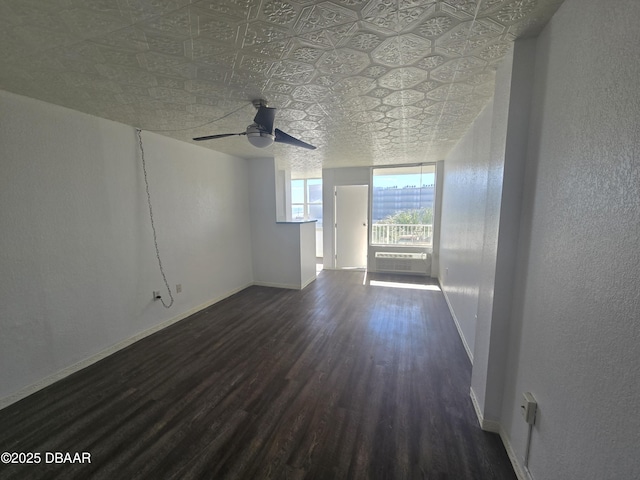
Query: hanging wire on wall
[153, 227]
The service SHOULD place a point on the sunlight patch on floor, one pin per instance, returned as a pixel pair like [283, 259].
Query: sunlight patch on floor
[413, 286]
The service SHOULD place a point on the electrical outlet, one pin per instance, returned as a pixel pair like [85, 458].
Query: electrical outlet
[156, 295]
[528, 408]
[179, 288]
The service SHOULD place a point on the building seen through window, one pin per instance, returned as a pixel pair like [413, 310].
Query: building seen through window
[402, 204]
[306, 200]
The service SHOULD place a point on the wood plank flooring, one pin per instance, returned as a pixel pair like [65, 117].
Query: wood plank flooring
[342, 380]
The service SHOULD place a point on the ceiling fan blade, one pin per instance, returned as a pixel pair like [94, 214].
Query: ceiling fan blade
[222, 135]
[288, 139]
[265, 117]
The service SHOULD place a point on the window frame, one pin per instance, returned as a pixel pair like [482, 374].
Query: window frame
[429, 245]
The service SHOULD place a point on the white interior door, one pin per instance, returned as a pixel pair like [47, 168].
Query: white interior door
[352, 207]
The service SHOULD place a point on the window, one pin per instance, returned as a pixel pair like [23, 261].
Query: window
[306, 200]
[402, 204]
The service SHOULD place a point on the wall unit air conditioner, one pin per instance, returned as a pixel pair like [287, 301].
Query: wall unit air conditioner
[417, 263]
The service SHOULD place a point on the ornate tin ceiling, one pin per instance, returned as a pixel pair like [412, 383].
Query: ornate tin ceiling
[367, 81]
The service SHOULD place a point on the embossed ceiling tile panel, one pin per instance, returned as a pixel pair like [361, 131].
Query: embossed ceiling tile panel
[140, 10]
[322, 16]
[495, 52]
[343, 61]
[487, 76]
[170, 82]
[391, 16]
[310, 93]
[166, 44]
[254, 65]
[177, 23]
[295, 73]
[515, 10]
[352, 86]
[171, 95]
[403, 97]
[405, 77]
[467, 38]
[317, 110]
[217, 27]
[379, 92]
[365, 40]
[202, 47]
[246, 86]
[225, 63]
[303, 125]
[90, 82]
[13, 49]
[167, 65]
[374, 71]
[119, 57]
[258, 33]
[318, 119]
[367, 81]
[129, 39]
[372, 127]
[279, 91]
[244, 10]
[404, 112]
[307, 54]
[37, 63]
[405, 123]
[296, 105]
[458, 69]
[280, 12]
[291, 114]
[450, 91]
[274, 50]
[17, 13]
[360, 104]
[88, 23]
[484, 90]
[401, 50]
[366, 117]
[427, 86]
[431, 61]
[436, 25]
[331, 37]
[127, 75]
[16, 80]
[34, 38]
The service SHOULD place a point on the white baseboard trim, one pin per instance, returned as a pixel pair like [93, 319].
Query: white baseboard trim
[520, 471]
[486, 425]
[496, 427]
[455, 320]
[65, 372]
[277, 285]
[308, 282]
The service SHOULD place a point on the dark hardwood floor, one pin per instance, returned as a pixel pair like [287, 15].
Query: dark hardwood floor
[339, 380]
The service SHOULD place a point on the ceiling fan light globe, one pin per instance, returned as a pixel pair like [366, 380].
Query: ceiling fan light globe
[260, 139]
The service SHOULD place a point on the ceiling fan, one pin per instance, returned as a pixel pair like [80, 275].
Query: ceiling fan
[261, 132]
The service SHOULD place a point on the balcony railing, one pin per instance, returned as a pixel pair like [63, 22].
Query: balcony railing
[401, 234]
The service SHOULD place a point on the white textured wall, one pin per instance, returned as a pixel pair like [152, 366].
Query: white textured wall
[509, 133]
[282, 254]
[462, 228]
[76, 250]
[575, 338]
